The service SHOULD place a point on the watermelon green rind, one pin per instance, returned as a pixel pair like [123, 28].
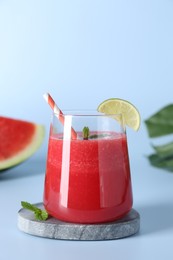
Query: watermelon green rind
[28, 151]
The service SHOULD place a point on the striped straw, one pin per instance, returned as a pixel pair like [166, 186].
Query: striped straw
[58, 112]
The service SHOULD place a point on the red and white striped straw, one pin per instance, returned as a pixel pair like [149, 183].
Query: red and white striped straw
[58, 112]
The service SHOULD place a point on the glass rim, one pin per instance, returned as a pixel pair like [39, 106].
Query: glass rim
[84, 112]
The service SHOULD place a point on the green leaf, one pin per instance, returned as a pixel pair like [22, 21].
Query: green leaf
[161, 123]
[96, 136]
[41, 214]
[161, 162]
[29, 206]
[44, 215]
[85, 132]
[165, 150]
[38, 213]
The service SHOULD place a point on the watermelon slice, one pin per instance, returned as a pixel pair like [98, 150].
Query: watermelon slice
[18, 141]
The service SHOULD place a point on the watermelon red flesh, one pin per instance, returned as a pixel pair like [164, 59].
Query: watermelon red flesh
[18, 141]
[15, 135]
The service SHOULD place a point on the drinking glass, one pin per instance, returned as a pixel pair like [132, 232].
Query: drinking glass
[87, 176]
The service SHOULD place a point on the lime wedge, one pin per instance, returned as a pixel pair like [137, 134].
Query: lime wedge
[130, 113]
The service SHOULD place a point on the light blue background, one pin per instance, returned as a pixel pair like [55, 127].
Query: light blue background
[83, 52]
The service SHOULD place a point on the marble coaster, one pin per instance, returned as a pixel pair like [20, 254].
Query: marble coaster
[56, 229]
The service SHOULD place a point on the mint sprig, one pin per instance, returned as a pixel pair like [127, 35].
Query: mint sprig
[85, 133]
[39, 213]
[96, 136]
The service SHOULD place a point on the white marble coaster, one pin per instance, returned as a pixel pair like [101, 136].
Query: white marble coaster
[56, 229]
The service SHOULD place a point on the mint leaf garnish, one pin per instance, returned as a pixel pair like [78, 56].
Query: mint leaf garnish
[95, 136]
[85, 133]
[38, 213]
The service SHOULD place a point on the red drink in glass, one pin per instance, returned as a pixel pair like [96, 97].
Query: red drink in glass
[88, 181]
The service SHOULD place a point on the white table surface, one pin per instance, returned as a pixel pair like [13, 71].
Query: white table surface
[153, 199]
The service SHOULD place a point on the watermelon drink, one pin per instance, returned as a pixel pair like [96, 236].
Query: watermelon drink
[87, 179]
